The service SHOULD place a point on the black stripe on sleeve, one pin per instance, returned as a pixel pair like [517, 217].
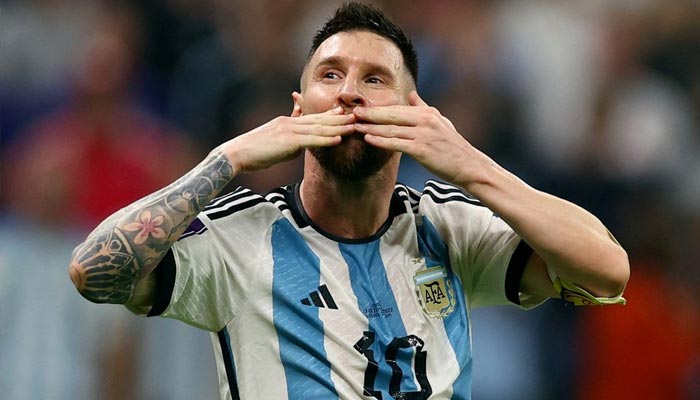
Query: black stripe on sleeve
[452, 196]
[165, 283]
[278, 198]
[240, 192]
[514, 274]
[233, 209]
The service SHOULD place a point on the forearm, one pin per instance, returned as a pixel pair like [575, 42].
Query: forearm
[571, 241]
[124, 248]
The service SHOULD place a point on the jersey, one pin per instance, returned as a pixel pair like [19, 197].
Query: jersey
[299, 313]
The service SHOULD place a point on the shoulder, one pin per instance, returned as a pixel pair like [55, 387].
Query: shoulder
[242, 200]
[446, 207]
[241, 212]
[435, 192]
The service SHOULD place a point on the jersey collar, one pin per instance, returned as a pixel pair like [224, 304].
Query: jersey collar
[302, 219]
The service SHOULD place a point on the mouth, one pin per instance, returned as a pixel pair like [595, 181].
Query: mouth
[354, 136]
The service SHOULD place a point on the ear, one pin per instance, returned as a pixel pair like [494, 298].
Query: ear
[298, 100]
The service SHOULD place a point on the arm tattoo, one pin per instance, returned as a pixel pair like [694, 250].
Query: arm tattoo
[127, 246]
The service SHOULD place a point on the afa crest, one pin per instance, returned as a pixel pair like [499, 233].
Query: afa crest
[435, 291]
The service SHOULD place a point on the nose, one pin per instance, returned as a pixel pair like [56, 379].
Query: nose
[350, 95]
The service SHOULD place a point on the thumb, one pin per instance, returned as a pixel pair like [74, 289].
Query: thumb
[415, 100]
[296, 111]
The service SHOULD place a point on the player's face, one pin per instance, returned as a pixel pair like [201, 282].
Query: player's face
[354, 69]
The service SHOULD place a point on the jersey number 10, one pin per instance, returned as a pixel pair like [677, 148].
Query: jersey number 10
[363, 347]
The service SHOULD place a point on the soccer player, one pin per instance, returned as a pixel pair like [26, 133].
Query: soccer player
[348, 285]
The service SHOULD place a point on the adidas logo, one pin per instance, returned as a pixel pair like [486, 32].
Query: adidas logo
[315, 300]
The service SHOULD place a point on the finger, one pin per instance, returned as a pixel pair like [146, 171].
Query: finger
[333, 111]
[394, 115]
[389, 143]
[324, 130]
[311, 141]
[330, 117]
[415, 100]
[403, 132]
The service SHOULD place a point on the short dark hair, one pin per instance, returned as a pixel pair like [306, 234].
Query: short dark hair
[363, 17]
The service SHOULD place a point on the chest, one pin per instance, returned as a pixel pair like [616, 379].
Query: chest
[397, 284]
[366, 316]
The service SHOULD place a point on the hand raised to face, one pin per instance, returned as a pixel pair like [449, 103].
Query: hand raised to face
[283, 138]
[421, 132]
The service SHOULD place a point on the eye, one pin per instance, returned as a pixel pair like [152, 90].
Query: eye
[330, 75]
[374, 79]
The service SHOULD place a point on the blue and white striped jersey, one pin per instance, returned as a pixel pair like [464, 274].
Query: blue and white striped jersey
[298, 313]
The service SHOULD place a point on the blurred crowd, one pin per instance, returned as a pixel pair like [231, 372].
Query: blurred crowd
[103, 102]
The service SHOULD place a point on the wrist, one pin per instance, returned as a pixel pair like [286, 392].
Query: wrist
[229, 153]
[478, 172]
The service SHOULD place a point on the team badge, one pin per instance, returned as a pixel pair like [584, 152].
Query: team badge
[435, 291]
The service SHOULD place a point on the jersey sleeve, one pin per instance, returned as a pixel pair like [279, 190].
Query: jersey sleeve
[487, 255]
[201, 279]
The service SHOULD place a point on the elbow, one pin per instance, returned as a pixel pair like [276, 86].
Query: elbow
[102, 275]
[617, 273]
[77, 276]
[96, 287]
[79, 279]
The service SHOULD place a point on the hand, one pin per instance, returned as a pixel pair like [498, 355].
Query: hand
[283, 138]
[423, 133]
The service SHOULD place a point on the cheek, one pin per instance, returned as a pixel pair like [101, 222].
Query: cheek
[386, 98]
[318, 101]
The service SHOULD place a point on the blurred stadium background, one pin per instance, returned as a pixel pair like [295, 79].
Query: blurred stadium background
[102, 102]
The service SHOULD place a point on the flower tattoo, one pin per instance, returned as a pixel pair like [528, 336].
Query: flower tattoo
[147, 225]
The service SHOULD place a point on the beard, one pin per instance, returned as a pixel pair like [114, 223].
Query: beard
[353, 159]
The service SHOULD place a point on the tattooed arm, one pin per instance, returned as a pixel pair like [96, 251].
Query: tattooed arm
[127, 246]
[114, 262]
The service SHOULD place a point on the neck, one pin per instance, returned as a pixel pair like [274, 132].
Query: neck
[349, 209]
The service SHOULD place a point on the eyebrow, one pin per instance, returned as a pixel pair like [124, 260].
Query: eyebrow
[338, 60]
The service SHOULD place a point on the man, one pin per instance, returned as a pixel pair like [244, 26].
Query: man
[347, 285]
